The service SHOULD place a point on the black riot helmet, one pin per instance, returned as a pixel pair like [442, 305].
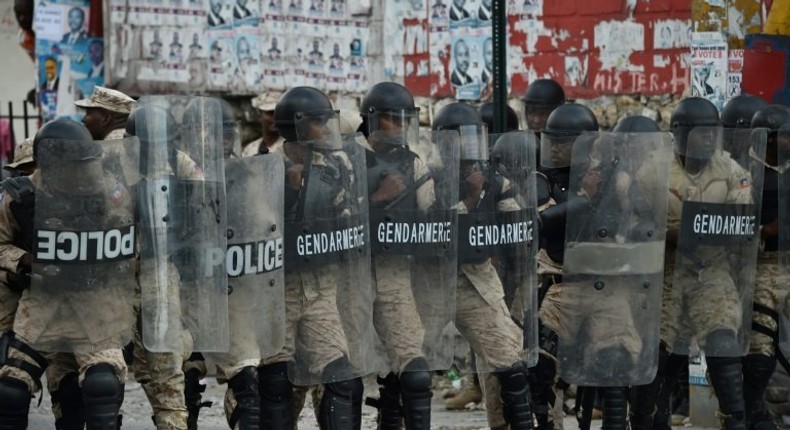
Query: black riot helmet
[739, 111]
[389, 114]
[691, 113]
[636, 124]
[564, 125]
[512, 155]
[772, 117]
[544, 93]
[467, 121]
[487, 112]
[61, 129]
[298, 105]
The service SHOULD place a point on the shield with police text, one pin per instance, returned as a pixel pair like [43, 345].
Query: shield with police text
[183, 224]
[327, 251]
[718, 239]
[254, 260]
[85, 248]
[413, 241]
[613, 268]
[513, 157]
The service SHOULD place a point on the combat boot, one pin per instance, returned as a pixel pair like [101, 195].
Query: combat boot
[726, 376]
[470, 393]
[515, 396]
[388, 403]
[757, 371]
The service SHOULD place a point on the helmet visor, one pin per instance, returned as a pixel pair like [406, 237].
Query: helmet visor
[395, 126]
[474, 142]
[555, 149]
[320, 129]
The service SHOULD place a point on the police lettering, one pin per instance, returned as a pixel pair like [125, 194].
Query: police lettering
[335, 241]
[730, 225]
[502, 234]
[85, 246]
[419, 232]
[253, 258]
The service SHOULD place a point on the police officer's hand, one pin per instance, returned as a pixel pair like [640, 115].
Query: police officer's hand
[294, 176]
[390, 187]
[25, 263]
[474, 183]
[590, 183]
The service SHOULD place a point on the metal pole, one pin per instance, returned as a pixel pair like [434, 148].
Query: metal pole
[499, 28]
[26, 118]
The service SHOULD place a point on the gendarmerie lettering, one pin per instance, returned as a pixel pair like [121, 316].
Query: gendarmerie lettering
[323, 243]
[731, 225]
[500, 234]
[417, 232]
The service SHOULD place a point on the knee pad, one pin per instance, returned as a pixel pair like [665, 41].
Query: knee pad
[14, 403]
[336, 410]
[245, 389]
[69, 397]
[514, 391]
[338, 370]
[415, 378]
[103, 394]
[722, 343]
[514, 378]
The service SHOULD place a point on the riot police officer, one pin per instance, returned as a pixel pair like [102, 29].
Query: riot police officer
[399, 184]
[482, 316]
[759, 363]
[737, 114]
[542, 97]
[323, 190]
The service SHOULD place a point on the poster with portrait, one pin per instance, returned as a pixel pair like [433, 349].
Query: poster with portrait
[274, 61]
[463, 13]
[671, 34]
[709, 67]
[338, 9]
[467, 65]
[272, 7]
[531, 8]
[221, 59]
[61, 26]
[246, 12]
[176, 54]
[338, 51]
[358, 37]
[194, 13]
[195, 43]
[220, 14]
[49, 70]
[248, 76]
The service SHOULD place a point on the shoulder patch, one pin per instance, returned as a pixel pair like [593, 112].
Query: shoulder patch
[743, 183]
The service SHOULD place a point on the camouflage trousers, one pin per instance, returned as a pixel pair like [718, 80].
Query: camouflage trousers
[395, 315]
[768, 293]
[696, 302]
[9, 300]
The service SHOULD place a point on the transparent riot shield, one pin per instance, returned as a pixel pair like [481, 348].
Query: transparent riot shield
[718, 239]
[513, 157]
[184, 288]
[254, 260]
[327, 252]
[413, 241]
[783, 236]
[609, 312]
[83, 275]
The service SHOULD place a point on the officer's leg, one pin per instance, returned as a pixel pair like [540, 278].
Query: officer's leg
[68, 398]
[102, 393]
[21, 368]
[726, 376]
[194, 370]
[645, 397]
[245, 388]
[615, 408]
[276, 396]
[757, 371]
[415, 385]
[515, 396]
[388, 403]
[336, 410]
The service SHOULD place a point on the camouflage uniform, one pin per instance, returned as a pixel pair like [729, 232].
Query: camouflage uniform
[701, 302]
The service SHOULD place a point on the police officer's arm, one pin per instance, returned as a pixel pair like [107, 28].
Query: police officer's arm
[12, 258]
[426, 194]
[507, 201]
[739, 185]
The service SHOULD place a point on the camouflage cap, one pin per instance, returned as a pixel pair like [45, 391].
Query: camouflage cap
[266, 101]
[22, 155]
[106, 98]
[349, 121]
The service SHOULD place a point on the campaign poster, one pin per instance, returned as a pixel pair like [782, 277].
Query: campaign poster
[734, 72]
[709, 65]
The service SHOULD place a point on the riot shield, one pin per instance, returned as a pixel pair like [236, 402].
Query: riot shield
[413, 240]
[513, 157]
[254, 260]
[83, 274]
[327, 252]
[613, 267]
[783, 179]
[718, 239]
[183, 224]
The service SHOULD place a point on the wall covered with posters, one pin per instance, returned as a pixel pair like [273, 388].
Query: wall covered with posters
[438, 48]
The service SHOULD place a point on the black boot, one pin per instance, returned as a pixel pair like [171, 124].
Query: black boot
[276, 394]
[102, 393]
[388, 403]
[726, 376]
[247, 413]
[515, 396]
[645, 397]
[193, 393]
[69, 397]
[757, 371]
[14, 404]
[415, 385]
[335, 412]
[615, 408]
[357, 393]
